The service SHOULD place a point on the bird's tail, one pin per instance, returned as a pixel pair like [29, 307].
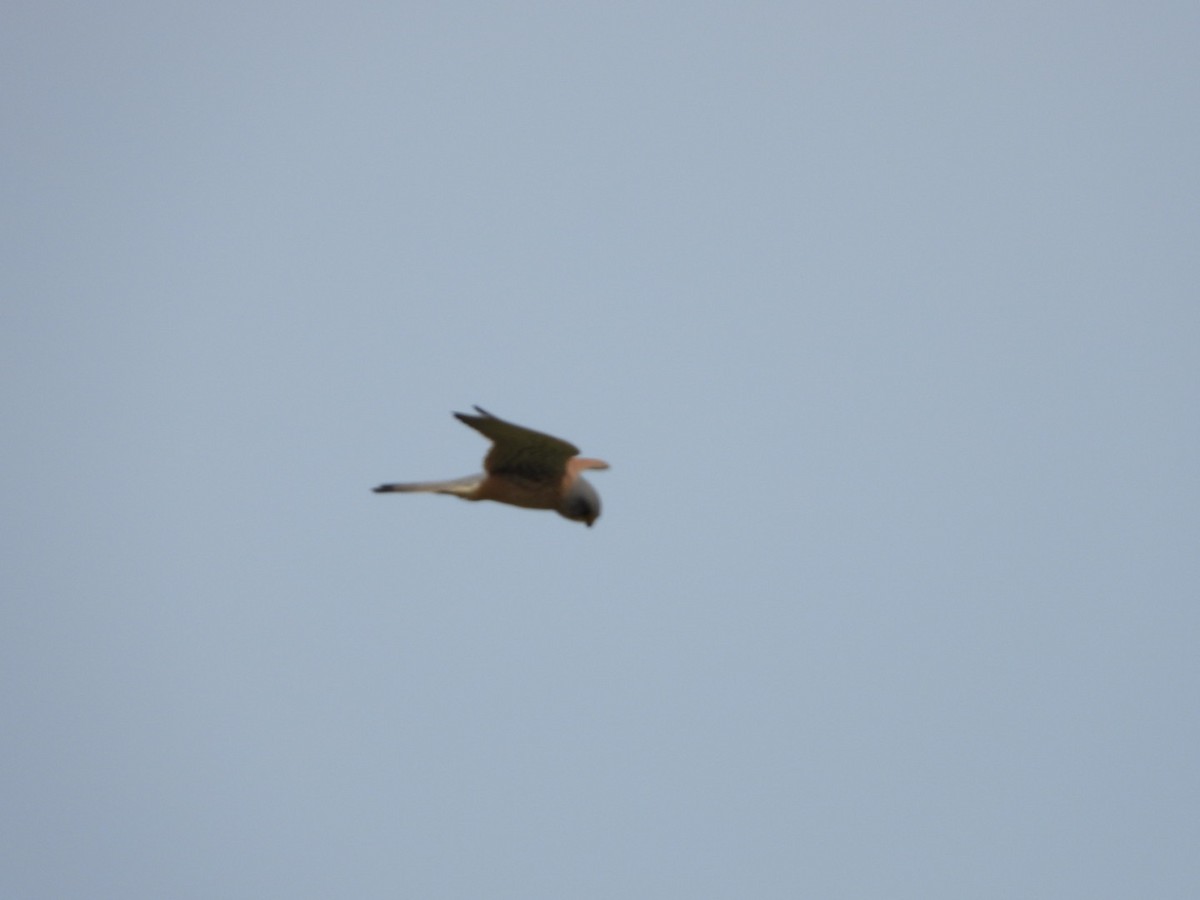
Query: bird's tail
[460, 487]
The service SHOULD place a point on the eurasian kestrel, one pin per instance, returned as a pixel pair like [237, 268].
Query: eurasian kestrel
[524, 468]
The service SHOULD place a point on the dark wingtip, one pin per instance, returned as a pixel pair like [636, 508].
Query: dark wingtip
[467, 418]
[382, 489]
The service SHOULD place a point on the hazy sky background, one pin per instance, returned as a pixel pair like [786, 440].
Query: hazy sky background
[885, 314]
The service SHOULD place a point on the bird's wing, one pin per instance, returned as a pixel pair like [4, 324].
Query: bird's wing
[520, 451]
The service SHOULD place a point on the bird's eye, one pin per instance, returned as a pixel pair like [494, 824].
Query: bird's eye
[581, 509]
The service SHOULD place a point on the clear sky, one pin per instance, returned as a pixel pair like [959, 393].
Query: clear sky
[885, 315]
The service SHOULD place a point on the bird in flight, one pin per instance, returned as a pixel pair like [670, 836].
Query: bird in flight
[524, 468]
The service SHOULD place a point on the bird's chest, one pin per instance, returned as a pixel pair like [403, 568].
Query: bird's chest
[518, 491]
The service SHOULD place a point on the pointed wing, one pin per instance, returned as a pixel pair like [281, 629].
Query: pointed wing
[520, 451]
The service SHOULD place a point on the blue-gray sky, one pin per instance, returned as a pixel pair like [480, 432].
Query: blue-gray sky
[885, 315]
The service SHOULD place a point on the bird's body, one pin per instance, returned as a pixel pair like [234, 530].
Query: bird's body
[524, 468]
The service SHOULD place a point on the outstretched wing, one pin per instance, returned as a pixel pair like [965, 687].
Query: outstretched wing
[520, 451]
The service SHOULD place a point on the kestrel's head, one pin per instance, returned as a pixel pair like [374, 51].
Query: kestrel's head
[580, 503]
